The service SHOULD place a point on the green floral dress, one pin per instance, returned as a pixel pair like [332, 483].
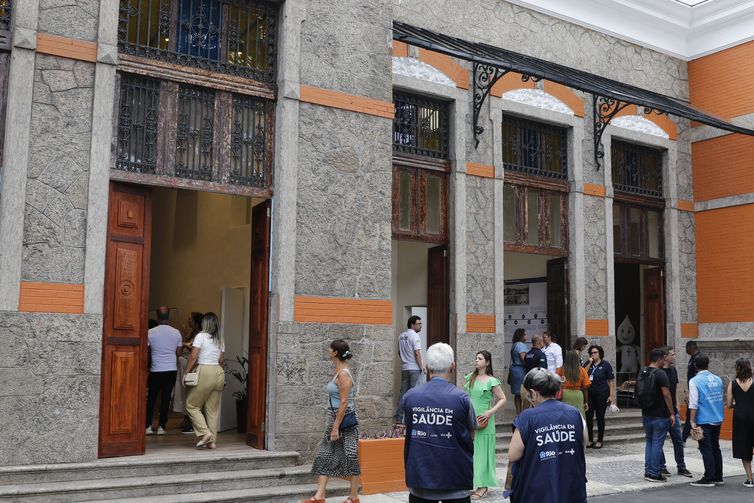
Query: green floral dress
[484, 439]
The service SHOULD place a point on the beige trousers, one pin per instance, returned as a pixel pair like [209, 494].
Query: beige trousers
[206, 395]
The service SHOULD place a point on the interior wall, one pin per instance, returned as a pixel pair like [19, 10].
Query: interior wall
[524, 265]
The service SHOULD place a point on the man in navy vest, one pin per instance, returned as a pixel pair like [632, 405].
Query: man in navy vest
[706, 406]
[440, 422]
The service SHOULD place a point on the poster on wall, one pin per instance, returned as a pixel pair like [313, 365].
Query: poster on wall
[525, 307]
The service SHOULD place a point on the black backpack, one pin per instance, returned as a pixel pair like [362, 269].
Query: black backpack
[646, 389]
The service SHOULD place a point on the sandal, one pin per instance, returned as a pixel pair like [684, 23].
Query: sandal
[598, 445]
[350, 500]
[477, 495]
[211, 445]
[590, 445]
[314, 500]
[207, 438]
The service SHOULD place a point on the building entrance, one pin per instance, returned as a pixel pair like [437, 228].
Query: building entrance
[194, 252]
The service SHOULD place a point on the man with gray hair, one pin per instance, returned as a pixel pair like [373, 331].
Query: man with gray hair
[440, 423]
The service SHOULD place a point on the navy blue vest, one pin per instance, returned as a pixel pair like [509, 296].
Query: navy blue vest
[439, 452]
[553, 469]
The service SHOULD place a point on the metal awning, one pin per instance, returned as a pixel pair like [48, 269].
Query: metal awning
[609, 96]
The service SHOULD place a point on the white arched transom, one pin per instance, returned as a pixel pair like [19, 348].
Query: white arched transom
[538, 98]
[640, 124]
[412, 67]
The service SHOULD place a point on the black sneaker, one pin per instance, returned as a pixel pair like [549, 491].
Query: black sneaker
[720, 482]
[665, 472]
[655, 478]
[702, 482]
[684, 472]
[748, 483]
[188, 430]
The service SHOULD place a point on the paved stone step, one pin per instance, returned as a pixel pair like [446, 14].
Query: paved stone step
[145, 466]
[161, 485]
[284, 494]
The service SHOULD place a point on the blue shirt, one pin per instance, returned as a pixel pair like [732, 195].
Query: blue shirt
[600, 375]
[706, 396]
[333, 393]
[553, 468]
[518, 348]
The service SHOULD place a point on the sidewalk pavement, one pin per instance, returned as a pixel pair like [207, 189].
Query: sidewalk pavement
[619, 468]
[731, 492]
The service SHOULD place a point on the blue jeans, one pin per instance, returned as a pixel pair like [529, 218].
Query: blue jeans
[676, 433]
[711, 455]
[409, 378]
[655, 429]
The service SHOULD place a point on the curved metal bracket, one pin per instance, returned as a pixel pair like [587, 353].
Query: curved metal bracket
[485, 77]
[603, 111]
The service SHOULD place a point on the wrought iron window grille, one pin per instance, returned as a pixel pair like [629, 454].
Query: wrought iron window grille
[237, 37]
[534, 148]
[138, 124]
[420, 126]
[249, 141]
[6, 24]
[636, 169]
[195, 133]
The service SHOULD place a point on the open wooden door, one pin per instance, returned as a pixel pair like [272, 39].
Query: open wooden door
[654, 310]
[258, 320]
[124, 333]
[437, 295]
[558, 310]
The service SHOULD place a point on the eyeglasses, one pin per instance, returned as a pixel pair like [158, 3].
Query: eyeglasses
[594, 353]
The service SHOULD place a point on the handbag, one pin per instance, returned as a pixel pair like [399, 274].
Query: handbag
[191, 378]
[349, 420]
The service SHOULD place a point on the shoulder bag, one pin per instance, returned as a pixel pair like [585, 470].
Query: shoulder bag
[191, 378]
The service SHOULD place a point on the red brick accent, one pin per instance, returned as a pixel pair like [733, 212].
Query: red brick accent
[400, 49]
[723, 166]
[509, 82]
[566, 95]
[446, 65]
[338, 310]
[690, 330]
[477, 323]
[66, 47]
[51, 298]
[344, 101]
[685, 205]
[593, 189]
[483, 170]
[597, 328]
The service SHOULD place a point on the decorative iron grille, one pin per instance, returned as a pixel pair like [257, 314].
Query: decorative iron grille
[237, 37]
[420, 126]
[195, 133]
[534, 148]
[138, 124]
[636, 169]
[249, 141]
[6, 14]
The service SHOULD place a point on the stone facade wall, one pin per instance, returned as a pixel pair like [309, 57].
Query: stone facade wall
[57, 187]
[480, 251]
[595, 257]
[687, 262]
[70, 18]
[49, 388]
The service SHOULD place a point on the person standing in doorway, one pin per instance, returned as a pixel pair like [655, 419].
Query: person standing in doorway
[741, 400]
[192, 327]
[706, 410]
[517, 371]
[653, 394]
[554, 353]
[410, 351]
[668, 366]
[164, 347]
[692, 350]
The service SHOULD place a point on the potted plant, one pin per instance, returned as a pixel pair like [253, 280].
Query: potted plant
[242, 399]
[381, 461]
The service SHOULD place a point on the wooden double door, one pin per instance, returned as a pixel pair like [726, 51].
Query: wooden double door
[124, 334]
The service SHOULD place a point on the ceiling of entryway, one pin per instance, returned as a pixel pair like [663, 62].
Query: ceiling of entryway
[683, 28]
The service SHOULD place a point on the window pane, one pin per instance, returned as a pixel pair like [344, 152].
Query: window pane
[433, 198]
[636, 169]
[618, 230]
[509, 214]
[420, 126]
[146, 27]
[534, 148]
[556, 229]
[634, 231]
[195, 133]
[138, 124]
[654, 225]
[532, 216]
[404, 201]
[248, 142]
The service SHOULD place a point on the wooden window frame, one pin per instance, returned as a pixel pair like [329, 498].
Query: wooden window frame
[621, 240]
[419, 173]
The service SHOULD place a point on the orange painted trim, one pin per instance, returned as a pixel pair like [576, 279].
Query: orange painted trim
[597, 328]
[509, 82]
[628, 110]
[690, 330]
[38, 297]
[66, 47]
[400, 49]
[446, 65]
[593, 189]
[477, 323]
[483, 170]
[381, 462]
[664, 123]
[338, 310]
[684, 205]
[344, 101]
[566, 95]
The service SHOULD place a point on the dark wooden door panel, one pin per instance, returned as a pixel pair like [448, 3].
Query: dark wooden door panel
[654, 310]
[438, 297]
[124, 357]
[258, 322]
[558, 310]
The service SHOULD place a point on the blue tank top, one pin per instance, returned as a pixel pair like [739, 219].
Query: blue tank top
[334, 394]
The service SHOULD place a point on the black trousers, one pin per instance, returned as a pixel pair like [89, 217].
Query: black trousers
[417, 499]
[597, 405]
[160, 383]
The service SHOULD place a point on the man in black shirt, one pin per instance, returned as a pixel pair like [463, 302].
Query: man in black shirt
[535, 357]
[693, 352]
[657, 419]
[668, 366]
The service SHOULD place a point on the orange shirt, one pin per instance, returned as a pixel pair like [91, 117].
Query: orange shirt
[583, 381]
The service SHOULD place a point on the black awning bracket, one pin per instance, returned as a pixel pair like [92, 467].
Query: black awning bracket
[485, 77]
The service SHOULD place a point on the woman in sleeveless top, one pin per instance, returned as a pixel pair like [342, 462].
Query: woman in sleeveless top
[741, 400]
[517, 369]
[338, 453]
[575, 382]
[203, 401]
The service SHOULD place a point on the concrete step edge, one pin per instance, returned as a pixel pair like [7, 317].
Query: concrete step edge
[159, 480]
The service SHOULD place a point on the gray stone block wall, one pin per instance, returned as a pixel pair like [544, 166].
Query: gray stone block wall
[49, 388]
[687, 265]
[595, 258]
[480, 249]
[70, 18]
[58, 171]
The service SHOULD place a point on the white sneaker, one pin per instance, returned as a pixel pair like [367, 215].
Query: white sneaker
[150, 431]
[161, 431]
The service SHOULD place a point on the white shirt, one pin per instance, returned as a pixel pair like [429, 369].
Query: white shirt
[554, 355]
[209, 352]
[409, 342]
[163, 340]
